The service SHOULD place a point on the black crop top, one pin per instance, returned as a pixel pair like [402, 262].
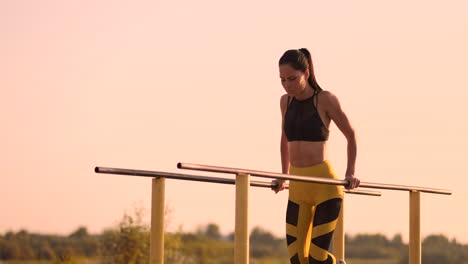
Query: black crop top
[302, 121]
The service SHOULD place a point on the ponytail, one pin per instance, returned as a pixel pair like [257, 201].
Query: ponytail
[312, 81]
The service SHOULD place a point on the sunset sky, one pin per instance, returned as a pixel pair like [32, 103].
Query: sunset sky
[147, 84]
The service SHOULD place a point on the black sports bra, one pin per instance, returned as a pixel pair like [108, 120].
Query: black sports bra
[302, 121]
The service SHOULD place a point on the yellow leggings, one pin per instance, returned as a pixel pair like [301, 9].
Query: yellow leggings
[311, 216]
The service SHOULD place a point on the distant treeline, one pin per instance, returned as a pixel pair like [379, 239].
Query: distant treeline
[129, 243]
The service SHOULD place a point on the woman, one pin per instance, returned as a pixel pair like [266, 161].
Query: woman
[307, 111]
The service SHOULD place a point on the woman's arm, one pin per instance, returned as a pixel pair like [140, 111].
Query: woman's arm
[334, 111]
[283, 147]
[284, 141]
[284, 154]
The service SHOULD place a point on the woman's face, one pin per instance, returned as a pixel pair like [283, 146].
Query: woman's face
[294, 82]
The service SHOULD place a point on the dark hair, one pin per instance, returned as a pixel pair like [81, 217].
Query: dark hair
[301, 60]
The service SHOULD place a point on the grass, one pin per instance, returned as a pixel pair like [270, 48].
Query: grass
[371, 261]
[75, 261]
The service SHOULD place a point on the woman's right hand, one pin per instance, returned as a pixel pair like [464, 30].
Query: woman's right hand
[278, 185]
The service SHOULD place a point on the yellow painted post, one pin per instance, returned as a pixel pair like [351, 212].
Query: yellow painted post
[241, 239]
[157, 222]
[339, 236]
[415, 228]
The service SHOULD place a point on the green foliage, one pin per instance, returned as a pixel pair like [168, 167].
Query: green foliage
[57, 249]
[9, 249]
[375, 246]
[200, 248]
[174, 249]
[438, 249]
[212, 231]
[263, 244]
[129, 243]
[81, 232]
[208, 246]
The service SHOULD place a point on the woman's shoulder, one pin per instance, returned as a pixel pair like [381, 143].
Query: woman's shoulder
[325, 93]
[327, 96]
[284, 98]
[329, 100]
[284, 101]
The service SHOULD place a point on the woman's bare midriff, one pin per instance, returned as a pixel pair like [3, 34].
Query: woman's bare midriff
[306, 153]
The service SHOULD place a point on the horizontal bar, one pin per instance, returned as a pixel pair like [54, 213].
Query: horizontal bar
[199, 178]
[361, 192]
[308, 178]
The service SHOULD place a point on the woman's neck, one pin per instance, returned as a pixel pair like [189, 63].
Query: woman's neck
[306, 93]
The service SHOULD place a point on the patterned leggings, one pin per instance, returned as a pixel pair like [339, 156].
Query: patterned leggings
[311, 216]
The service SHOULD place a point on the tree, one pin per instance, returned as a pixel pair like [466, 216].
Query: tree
[45, 251]
[212, 231]
[259, 235]
[397, 241]
[81, 232]
[9, 250]
[265, 244]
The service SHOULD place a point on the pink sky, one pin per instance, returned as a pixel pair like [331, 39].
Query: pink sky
[147, 84]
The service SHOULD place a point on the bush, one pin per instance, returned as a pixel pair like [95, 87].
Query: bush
[127, 244]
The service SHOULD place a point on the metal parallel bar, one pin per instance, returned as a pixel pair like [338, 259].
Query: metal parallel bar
[339, 234]
[242, 181]
[361, 192]
[241, 238]
[157, 221]
[308, 179]
[178, 176]
[415, 228]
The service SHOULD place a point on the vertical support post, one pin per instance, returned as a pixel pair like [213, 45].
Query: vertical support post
[241, 239]
[157, 221]
[415, 228]
[339, 235]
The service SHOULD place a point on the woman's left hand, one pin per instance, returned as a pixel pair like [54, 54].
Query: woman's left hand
[353, 182]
